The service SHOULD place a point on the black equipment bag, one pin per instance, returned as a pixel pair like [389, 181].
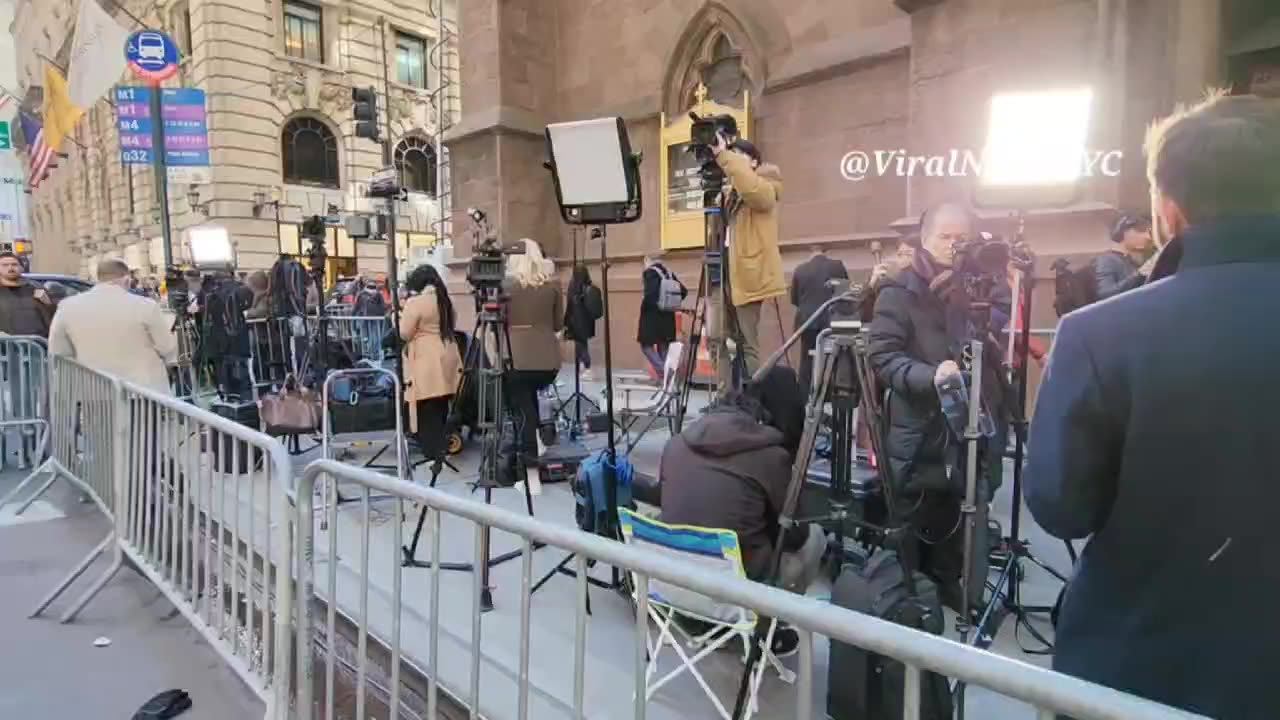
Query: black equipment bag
[1073, 289]
[867, 686]
[364, 402]
[223, 445]
[288, 288]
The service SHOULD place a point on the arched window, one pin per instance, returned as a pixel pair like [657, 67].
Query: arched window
[416, 163]
[310, 153]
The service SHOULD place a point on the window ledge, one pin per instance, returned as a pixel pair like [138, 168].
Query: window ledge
[303, 62]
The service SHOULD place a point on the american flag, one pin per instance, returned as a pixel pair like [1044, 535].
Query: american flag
[39, 156]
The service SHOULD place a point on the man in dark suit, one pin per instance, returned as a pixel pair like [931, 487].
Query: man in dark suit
[1155, 432]
[809, 290]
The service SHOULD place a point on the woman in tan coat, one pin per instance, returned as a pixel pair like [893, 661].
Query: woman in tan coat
[433, 360]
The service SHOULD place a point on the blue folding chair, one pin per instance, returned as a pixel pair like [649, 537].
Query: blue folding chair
[718, 551]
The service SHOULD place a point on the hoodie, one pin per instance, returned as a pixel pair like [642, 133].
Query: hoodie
[755, 263]
[728, 471]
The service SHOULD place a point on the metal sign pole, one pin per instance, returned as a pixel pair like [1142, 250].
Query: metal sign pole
[161, 173]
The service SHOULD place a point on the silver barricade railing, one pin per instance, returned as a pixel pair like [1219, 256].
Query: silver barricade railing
[362, 334]
[204, 514]
[23, 399]
[84, 419]
[274, 350]
[1048, 691]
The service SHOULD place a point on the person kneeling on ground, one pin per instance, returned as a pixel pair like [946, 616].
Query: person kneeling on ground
[730, 470]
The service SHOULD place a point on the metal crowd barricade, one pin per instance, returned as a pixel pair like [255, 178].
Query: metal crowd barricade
[329, 441]
[361, 334]
[83, 422]
[24, 425]
[1048, 691]
[204, 514]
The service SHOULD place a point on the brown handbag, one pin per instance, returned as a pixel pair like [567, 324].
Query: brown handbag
[294, 410]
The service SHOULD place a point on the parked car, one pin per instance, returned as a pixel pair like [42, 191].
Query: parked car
[58, 286]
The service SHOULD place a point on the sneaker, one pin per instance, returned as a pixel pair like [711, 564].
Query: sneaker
[786, 641]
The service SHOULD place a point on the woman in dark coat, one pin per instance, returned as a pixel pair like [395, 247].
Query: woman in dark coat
[584, 306]
[657, 327]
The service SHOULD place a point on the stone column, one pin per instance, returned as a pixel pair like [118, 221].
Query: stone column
[508, 78]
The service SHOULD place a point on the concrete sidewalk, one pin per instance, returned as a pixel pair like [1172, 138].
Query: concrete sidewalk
[50, 670]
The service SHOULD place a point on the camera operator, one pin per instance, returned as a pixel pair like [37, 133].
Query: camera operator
[755, 263]
[1122, 268]
[1155, 434]
[535, 315]
[920, 326]
[731, 469]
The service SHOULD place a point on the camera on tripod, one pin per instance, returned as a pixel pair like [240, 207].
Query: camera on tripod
[488, 265]
[313, 229]
[701, 137]
[982, 263]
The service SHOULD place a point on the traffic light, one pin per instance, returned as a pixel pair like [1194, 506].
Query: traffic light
[366, 113]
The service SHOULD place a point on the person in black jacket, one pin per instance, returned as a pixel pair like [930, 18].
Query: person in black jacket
[809, 289]
[1122, 268]
[585, 305]
[920, 325]
[1155, 433]
[657, 327]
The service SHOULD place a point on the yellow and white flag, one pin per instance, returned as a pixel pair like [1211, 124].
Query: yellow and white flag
[97, 54]
[60, 114]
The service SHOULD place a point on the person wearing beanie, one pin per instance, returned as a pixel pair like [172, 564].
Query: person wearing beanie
[1121, 268]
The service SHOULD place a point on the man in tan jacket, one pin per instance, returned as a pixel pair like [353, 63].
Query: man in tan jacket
[755, 263]
[114, 332]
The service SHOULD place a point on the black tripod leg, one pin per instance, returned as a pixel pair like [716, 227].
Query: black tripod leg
[411, 552]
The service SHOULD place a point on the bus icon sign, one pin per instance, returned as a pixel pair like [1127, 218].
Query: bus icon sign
[152, 55]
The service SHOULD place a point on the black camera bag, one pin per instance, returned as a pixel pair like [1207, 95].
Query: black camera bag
[867, 686]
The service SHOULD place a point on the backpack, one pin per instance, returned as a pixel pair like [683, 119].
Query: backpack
[670, 291]
[589, 490]
[864, 685]
[288, 288]
[1073, 289]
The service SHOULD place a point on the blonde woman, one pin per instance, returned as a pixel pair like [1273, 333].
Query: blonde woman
[535, 313]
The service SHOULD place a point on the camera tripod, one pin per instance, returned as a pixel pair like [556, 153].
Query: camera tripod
[844, 380]
[491, 324]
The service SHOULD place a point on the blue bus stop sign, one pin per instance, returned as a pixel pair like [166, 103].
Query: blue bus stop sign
[152, 55]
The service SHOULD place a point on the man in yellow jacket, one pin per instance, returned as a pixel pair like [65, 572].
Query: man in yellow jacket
[755, 264]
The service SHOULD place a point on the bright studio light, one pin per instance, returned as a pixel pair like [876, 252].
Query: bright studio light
[590, 161]
[1037, 138]
[210, 247]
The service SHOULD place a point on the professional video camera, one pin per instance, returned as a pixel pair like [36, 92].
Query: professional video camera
[313, 229]
[983, 262]
[701, 137]
[179, 295]
[488, 265]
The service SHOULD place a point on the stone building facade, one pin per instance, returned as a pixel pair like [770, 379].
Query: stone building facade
[278, 76]
[825, 78]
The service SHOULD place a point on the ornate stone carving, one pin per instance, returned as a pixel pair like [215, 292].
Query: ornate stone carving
[287, 82]
[335, 100]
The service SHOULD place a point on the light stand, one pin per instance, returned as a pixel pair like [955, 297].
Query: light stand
[1005, 592]
[578, 398]
[597, 182]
